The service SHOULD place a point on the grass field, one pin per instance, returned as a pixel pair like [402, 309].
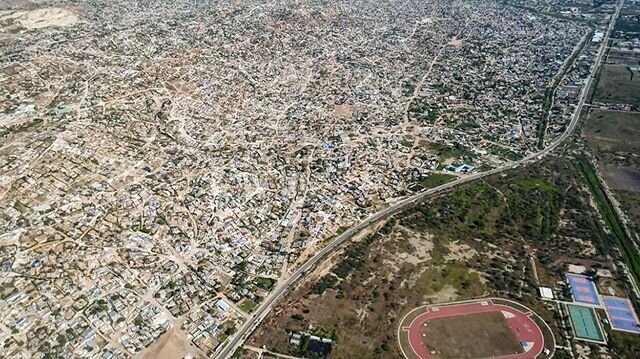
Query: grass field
[449, 337]
[627, 24]
[618, 84]
[614, 131]
[247, 305]
[457, 151]
[436, 179]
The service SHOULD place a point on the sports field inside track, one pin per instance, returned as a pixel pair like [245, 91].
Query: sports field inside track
[489, 328]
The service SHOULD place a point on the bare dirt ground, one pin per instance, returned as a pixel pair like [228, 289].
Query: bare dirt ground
[617, 85]
[422, 244]
[171, 345]
[447, 294]
[459, 251]
[613, 131]
[491, 336]
[455, 42]
[622, 178]
[343, 110]
[39, 18]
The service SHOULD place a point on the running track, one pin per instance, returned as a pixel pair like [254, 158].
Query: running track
[521, 324]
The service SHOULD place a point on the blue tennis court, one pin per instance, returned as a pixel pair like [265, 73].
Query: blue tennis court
[583, 289]
[621, 314]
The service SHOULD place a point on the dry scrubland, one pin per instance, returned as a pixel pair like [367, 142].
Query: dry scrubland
[480, 240]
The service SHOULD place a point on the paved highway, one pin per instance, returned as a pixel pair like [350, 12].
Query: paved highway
[265, 307]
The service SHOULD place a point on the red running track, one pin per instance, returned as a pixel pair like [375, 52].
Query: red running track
[521, 324]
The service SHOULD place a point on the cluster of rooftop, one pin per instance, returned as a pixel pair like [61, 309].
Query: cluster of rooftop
[156, 159]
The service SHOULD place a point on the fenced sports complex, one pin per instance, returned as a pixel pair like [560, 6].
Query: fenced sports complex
[486, 328]
[582, 314]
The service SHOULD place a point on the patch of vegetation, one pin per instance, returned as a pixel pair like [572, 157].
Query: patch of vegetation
[436, 179]
[532, 184]
[468, 206]
[265, 283]
[239, 353]
[408, 87]
[624, 343]
[247, 305]
[433, 279]
[505, 153]
[457, 151]
[406, 142]
[628, 24]
[419, 109]
[326, 282]
[353, 260]
[227, 330]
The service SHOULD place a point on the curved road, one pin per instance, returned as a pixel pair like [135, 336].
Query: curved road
[265, 307]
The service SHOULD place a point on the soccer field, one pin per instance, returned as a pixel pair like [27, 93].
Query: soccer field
[488, 328]
[451, 336]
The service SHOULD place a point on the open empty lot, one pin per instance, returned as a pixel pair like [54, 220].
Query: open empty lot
[614, 131]
[618, 84]
[622, 178]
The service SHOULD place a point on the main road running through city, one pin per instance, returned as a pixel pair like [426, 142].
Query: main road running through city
[265, 307]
